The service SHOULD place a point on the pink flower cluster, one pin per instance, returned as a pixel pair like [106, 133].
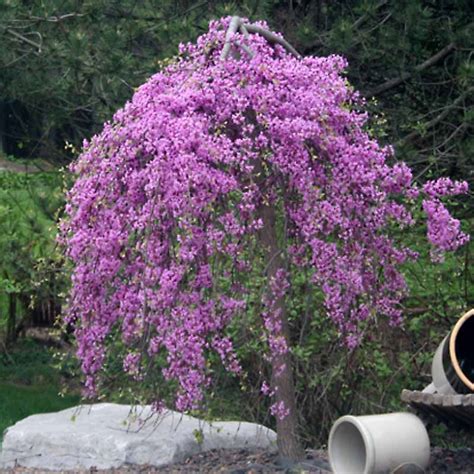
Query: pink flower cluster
[444, 232]
[166, 199]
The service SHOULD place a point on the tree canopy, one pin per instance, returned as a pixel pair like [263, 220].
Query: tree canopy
[238, 154]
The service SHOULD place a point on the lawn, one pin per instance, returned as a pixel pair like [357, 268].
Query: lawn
[19, 401]
[30, 383]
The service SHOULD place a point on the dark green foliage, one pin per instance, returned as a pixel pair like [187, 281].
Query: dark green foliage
[67, 67]
[30, 266]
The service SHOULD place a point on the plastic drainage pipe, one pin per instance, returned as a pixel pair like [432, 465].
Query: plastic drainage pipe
[452, 369]
[377, 443]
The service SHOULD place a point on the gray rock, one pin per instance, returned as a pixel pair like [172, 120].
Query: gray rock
[108, 435]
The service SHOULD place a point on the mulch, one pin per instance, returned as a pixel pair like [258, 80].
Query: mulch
[241, 461]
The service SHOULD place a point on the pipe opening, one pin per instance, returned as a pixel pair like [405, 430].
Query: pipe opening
[464, 349]
[348, 451]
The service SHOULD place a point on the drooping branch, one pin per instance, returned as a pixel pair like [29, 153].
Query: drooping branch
[407, 75]
[248, 50]
[237, 24]
[273, 38]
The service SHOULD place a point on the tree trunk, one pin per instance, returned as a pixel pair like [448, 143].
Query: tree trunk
[287, 429]
[11, 322]
[3, 122]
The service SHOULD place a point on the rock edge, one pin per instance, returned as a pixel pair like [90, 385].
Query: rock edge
[108, 435]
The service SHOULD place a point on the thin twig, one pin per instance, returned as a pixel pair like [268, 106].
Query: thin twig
[55, 19]
[365, 16]
[406, 75]
[19, 58]
[457, 130]
[26, 40]
[439, 117]
[321, 39]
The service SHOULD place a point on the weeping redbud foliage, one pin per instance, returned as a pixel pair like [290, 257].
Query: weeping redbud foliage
[166, 206]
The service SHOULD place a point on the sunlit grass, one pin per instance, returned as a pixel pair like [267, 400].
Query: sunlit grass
[29, 383]
[19, 401]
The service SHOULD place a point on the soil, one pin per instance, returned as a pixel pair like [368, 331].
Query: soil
[242, 461]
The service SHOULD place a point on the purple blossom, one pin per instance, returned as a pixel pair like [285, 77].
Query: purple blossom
[445, 187]
[444, 232]
[279, 410]
[167, 196]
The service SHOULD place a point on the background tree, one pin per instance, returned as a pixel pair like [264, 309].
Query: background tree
[30, 280]
[67, 67]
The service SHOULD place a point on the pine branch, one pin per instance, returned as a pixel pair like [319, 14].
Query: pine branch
[406, 75]
[439, 117]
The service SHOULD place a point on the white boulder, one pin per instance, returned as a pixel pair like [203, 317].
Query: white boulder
[108, 435]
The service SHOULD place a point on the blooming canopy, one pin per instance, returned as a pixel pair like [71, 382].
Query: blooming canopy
[172, 187]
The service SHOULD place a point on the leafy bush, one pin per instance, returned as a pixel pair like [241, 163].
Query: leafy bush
[30, 276]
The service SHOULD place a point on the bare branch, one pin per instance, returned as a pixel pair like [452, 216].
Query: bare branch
[248, 50]
[55, 19]
[26, 40]
[439, 117]
[406, 75]
[456, 132]
[320, 41]
[273, 38]
[235, 22]
[19, 58]
[365, 16]
[173, 17]
[244, 31]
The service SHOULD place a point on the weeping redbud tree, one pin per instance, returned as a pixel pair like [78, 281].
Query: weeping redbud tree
[238, 143]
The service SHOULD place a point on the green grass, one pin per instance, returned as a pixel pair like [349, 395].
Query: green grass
[19, 401]
[29, 383]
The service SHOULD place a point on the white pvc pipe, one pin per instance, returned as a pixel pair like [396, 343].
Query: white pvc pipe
[454, 355]
[440, 380]
[377, 443]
